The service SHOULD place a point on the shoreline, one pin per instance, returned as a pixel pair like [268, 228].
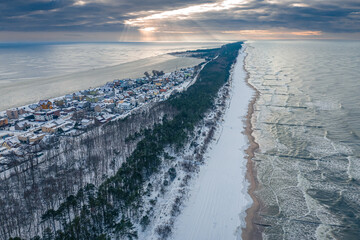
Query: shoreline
[213, 200]
[251, 231]
[24, 92]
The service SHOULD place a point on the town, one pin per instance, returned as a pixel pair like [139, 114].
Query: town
[72, 114]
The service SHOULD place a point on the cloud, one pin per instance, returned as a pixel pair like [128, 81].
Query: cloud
[163, 18]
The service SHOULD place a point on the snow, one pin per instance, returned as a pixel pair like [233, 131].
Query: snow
[218, 198]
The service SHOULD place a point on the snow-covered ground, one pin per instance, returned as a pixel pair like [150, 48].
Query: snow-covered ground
[218, 197]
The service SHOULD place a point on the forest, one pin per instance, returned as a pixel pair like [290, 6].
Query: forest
[107, 208]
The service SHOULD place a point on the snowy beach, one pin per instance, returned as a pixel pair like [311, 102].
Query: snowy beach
[219, 195]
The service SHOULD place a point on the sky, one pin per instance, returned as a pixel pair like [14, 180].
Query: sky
[177, 20]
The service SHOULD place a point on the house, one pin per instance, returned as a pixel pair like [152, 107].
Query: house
[117, 82]
[125, 106]
[78, 115]
[28, 116]
[10, 143]
[69, 109]
[49, 128]
[106, 88]
[36, 138]
[4, 122]
[92, 99]
[55, 113]
[30, 137]
[12, 113]
[33, 106]
[130, 93]
[83, 105]
[78, 96]
[4, 135]
[86, 122]
[7, 145]
[141, 99]
[22, 125]
[59, 103]
[54, 126]
[68, 97]
[23, 138]
[103, 119]
[45, 104]
[43, 116]
[93, 92]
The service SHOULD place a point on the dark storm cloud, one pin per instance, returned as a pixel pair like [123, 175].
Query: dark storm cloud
[109, 15]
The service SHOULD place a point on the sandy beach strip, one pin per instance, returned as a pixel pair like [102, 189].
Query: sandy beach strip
[252, 230]
[26, 91]
[219, 195]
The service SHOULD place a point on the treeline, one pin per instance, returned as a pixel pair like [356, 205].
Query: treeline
[36, 184]
[201, 53]
[108, 211]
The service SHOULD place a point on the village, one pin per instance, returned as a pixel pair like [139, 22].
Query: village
[72, 114]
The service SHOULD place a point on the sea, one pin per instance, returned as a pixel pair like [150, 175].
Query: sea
[30, 72]
[30, 60]
[307, 125]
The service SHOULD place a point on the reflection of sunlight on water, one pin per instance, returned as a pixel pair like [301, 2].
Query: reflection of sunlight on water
[307, 146]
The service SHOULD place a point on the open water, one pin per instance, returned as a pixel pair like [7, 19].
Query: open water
[307, 124]
[33, 60]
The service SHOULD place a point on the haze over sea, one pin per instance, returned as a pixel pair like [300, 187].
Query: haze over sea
[306, 122]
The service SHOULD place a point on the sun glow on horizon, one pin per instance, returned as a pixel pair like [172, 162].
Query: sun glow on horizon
[148, 29]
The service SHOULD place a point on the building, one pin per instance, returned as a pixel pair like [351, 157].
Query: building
[45, 104]
[12, 113]
[35, 138]
[78, 96]
[30, 137]
[22, 125]
[43, 116]
[125, 106]
[4, 135]
[59, 103]
[49, 128]
[55, 113]
[103, 119]
[106, 88]
[4, 122]
[6, 145]
[92, 99]
[68, 97]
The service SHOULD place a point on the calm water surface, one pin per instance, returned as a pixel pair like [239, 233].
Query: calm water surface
[32, 60]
